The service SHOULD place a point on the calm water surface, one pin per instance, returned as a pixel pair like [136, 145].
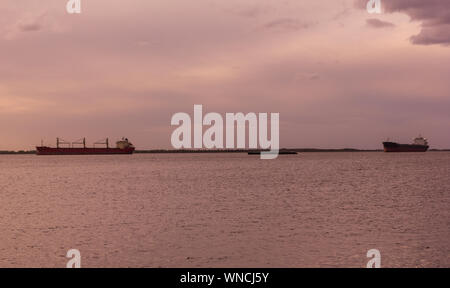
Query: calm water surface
[226, 210]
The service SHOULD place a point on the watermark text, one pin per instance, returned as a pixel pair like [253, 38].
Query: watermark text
[73, 7]
[213, 136]
[374, 6]
[75, 258]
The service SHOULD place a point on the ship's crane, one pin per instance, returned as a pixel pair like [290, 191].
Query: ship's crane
[80, 141]
[103, 142]
[60, 141]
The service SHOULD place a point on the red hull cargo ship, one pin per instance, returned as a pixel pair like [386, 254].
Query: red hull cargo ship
[420, 144]
[122, 147]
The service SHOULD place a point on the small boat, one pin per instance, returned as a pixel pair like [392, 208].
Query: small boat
[280, 152]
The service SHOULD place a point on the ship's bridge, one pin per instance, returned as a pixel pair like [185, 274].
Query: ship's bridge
[420, 141]
[124, 144]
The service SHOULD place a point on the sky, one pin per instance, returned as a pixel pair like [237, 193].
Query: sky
[339, 76]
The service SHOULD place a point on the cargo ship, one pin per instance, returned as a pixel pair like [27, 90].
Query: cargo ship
[122, 147]
[419, 144]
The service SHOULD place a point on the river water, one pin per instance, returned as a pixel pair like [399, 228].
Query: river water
[226, 210]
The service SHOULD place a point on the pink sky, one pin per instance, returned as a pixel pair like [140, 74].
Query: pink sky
[338, 76]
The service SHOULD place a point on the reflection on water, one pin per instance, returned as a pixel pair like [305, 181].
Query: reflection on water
[226, 210]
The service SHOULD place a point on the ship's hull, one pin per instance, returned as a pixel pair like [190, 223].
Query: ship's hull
[395, 147]
[83, 151]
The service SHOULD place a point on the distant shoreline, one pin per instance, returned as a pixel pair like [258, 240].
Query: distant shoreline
[173, 151]
[250, 150]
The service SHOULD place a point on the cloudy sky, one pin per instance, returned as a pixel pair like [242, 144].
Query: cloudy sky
[338, 76]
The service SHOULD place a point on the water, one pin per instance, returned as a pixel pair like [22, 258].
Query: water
[226, 210]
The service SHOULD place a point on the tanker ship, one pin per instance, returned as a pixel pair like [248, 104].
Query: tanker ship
[122, 147]
[419, 144]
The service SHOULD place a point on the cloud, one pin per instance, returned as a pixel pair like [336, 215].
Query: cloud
[26, 23]
[342, 14]
[286, 24]
[29, 27]
[311, 76]
[433, 35]
[31, 23]
[434, 15]
[314, 76]
[251, 12]
[377, 23]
